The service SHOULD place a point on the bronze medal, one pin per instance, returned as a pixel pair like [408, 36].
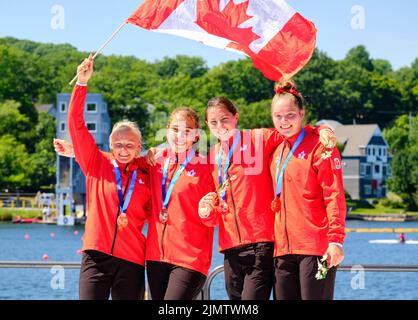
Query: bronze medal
[275, 204]
[163, 216]
[122, 221]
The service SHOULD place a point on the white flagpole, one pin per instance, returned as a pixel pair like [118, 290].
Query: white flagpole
[103, 46]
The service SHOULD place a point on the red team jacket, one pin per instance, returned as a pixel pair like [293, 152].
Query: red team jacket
[101, 232]
[183, 240]
[250, 190]
[313, 205]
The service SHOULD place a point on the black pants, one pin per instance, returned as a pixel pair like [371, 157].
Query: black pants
[249, 271]
[294, 279]
[102, 274]
[170, 282]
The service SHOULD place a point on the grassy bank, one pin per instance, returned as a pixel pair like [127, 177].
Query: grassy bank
[383, 211]
[7, 214]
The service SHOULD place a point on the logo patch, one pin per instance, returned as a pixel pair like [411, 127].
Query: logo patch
[191, 173]
[140, 181]
[337, 163]
[302, 155]
[243, 148]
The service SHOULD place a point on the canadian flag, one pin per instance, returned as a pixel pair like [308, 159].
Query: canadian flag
[277, 38]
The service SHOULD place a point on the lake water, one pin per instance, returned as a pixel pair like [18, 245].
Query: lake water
[65, 242]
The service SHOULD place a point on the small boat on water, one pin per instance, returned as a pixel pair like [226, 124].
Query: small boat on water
[26, 220]
[393, 241]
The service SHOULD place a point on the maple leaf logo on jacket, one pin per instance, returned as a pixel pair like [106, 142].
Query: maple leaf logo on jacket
[225, 22]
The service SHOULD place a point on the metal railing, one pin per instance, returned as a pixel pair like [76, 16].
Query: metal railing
[205, 294]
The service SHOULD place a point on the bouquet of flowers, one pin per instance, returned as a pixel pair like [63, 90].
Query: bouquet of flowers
[322, 268]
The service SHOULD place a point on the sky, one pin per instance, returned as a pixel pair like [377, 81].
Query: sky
[388, 29]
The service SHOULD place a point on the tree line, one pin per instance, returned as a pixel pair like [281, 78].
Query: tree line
[356, 89]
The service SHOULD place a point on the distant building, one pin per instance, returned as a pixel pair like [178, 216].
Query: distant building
[366, 159]
[71, 187]
[48, 108]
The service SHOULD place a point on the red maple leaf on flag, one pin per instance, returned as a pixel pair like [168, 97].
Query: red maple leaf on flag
[225, 23]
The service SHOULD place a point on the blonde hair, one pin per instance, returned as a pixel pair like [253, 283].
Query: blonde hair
[123, 126]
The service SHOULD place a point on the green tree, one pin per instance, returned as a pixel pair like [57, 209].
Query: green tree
[14, 161]
[15, 123]
[42, 163]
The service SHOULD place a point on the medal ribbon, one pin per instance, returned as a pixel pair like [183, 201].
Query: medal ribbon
[237, 138]
[123, 205]
[279, 178]
[167, 194]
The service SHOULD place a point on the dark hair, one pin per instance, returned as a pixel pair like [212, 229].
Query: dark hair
[221, 102]
[288, 88]
[188, 113]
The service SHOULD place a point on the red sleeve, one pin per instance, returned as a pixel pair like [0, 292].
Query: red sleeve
[85, 149]
[329, 171]
[271, 139]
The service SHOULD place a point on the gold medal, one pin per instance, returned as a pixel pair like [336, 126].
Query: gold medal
[122, 221]
[275, 204]
[163, 216]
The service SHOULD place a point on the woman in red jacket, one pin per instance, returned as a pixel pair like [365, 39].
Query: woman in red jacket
[309, 204]
[117, 200]
[242, 201]
[179, 245]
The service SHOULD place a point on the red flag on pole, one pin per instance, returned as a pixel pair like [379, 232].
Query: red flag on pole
[277, 38]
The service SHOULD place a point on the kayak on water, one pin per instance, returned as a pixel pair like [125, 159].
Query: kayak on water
[392, 241]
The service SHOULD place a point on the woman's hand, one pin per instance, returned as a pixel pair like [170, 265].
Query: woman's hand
[152, 155]
[85, 70]
[335, 255]
[64, 148]
[207, 204]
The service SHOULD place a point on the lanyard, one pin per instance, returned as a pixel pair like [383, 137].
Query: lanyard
[221, 179]
[123, 205]
[279, 178]
[167, 194]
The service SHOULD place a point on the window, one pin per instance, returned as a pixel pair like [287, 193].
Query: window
[62, 126]
[365, 169]
[368, 151]
[376, 168]
[91, 107]
[91, 126]
[63, 107]
[384, 151]
[367, 189]
[384, 170]
[380, 152]
[374, 151]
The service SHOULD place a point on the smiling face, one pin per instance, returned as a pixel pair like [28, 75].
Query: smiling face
[287, 117]
[222, 123]
[125, 145]
[182, 133]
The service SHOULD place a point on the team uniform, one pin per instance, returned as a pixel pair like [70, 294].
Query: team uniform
[246, 231]
[310, 216]
[178, 250]
[113, 260]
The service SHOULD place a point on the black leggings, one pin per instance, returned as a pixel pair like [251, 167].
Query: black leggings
[170, 282]
[102, 274]
[294, 279]
[249, 271]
